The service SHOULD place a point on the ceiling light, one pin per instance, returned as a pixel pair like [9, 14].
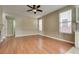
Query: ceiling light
[34, 10]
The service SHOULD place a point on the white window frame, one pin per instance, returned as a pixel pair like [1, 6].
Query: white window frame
[65, 21]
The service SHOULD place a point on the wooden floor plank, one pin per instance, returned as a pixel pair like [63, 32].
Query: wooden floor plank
[33, 44]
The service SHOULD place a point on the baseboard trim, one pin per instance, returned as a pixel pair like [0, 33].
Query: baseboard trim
[57, 38]
[46, 36]
[25, 35]
[2, 39]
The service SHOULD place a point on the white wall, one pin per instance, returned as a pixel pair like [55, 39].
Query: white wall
[4, 28]
[1, 23]
[0, 16]
[25, 26]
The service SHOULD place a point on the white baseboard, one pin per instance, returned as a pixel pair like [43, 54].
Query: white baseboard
[2, 39]
[57, 38]
[9, 35]
[46, 36]
[26, 35]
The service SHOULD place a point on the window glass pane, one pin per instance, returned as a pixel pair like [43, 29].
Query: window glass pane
[40, 25]
[66, 27]
[65, 16]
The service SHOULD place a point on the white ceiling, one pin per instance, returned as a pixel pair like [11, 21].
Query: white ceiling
[20, 10]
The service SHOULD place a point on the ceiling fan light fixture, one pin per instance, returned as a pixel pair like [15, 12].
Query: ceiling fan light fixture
[34, 10]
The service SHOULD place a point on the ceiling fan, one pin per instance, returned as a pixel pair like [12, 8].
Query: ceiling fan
[34, 8]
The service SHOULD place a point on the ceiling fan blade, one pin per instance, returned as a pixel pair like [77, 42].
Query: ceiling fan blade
[29, 6]
[40, 10]
[29, 10]
[38, 6]
[34, 6]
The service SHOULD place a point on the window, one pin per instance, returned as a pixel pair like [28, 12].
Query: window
[40, 24]
[65, 22]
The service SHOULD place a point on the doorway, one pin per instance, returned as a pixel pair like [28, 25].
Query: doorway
[10, 26]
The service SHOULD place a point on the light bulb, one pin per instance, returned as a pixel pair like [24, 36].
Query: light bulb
[34, 10]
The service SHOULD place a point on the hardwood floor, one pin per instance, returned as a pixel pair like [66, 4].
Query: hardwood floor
[34, 44]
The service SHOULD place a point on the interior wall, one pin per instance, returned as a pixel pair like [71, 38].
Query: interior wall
[51, 24]
[0, 18]
[0, 23]
[4, 27]
[25, 26]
